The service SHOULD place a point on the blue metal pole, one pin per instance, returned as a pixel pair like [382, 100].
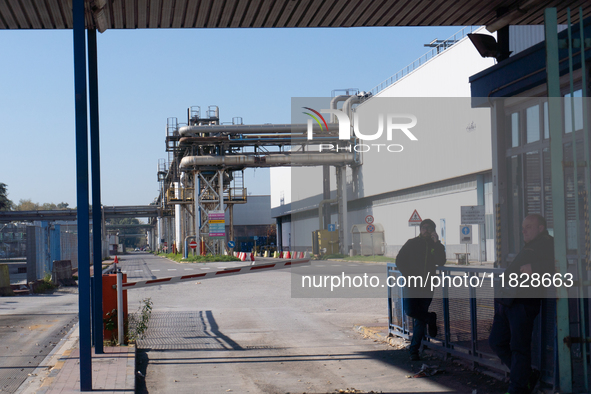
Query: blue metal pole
[95, 161]
[82, 196]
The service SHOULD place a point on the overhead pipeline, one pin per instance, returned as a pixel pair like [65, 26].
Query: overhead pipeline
[270, 160]
[188, 131]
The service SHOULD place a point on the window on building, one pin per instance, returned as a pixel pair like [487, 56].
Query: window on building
[573, 109]
[514, 201]
[546, 122]
[533, 183]
[489, 218]
[532, 119]
[548, 214]
[529, 177]
[515, 129]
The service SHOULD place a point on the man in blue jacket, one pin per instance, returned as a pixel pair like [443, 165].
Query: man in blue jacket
[516, 307]
[417, 261]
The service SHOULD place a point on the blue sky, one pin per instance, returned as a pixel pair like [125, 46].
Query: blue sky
[147, 76]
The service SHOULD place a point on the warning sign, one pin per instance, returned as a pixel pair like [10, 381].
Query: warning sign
[415, 219]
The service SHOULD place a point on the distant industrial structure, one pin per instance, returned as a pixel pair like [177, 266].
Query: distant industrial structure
[203, 178]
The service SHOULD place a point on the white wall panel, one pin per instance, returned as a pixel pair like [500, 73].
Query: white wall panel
[445, 75]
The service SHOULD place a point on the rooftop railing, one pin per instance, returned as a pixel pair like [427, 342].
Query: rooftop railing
[441, 46]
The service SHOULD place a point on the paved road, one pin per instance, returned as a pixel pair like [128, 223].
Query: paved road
[30, 327]
[246, 334]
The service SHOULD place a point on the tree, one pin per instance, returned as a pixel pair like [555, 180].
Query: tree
[48, 206]
[129, 242]
[5, 203]
[27, 205]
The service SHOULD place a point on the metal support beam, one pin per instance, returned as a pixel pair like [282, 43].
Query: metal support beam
[197, 218]
[96, 193]
[231, 208]
[345, 211]
[326, 195]
[82, 194]
[558, 206]
[221, 207]
[481, 227]
[178, 218]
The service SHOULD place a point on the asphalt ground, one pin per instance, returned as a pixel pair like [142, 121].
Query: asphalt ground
[30, 327]
[248, 334]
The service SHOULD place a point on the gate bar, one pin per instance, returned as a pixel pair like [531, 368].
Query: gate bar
[245, 269]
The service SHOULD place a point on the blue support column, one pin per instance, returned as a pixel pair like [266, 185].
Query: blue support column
[95, 161]
[82, 196]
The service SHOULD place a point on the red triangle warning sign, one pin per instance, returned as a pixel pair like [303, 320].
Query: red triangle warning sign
[415, 218]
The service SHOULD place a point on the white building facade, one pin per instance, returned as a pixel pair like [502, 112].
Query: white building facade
[448, 166]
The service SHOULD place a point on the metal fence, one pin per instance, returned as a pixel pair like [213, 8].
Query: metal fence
[465, 316]
[69, 244]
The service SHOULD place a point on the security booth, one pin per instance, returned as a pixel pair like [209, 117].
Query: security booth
[368, 239]
[541, 165]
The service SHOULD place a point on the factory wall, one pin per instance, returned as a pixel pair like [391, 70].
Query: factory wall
[436, 174]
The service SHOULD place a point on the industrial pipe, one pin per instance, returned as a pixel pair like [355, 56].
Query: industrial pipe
[334, 103]
[320, 208]
[188, 131]
[269, 160]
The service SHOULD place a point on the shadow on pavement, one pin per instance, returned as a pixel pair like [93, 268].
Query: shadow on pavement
[198, 331]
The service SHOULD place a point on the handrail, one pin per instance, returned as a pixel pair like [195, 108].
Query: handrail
[465, 331]
[424, 59]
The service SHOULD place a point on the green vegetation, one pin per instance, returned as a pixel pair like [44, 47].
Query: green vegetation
[45, 284]
[371, 258]
[374, 259]
[28, 205]
[197, 259]
[331, 256]
[138, 322]
[135, 325]
[5, 203]
[128, 242]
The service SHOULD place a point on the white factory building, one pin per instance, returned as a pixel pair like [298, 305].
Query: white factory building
[447, 165]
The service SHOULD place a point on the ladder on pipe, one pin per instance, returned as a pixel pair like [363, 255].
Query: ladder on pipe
[236, 192]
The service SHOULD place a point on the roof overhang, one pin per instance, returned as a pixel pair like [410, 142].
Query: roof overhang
[149, 14]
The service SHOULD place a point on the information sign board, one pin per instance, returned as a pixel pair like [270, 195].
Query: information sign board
[472, 214]
[217, 224]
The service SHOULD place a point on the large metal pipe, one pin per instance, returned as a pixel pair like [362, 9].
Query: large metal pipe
[273, 159]
[321, 224]
[334, 103]
[187, 131]
[348, 106]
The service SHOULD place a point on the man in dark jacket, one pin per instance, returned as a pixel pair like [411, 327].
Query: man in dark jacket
[517, 307]
[418, 258]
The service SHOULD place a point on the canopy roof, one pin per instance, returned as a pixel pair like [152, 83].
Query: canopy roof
[144, 14]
